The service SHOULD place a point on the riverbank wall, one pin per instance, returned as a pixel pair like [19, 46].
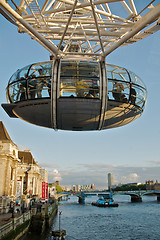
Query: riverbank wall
[40, 222]
[37, 220]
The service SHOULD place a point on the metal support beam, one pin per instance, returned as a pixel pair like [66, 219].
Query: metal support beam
[104, 99]
[87, 7]
[70, 17]
[17, 17]
[97, 27]
[54, 94]
[147, 19]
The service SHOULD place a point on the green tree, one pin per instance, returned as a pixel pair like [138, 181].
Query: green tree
[126, 187]
[58, 189]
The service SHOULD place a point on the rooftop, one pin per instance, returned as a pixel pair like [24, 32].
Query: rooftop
[3, 132]
[26, 157]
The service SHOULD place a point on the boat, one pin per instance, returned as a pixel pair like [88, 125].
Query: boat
[105, 203]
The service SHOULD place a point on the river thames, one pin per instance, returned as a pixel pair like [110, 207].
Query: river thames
[129, 221]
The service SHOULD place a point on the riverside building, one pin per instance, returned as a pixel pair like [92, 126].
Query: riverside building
[21, 178]
[8, 169]
[29, 175]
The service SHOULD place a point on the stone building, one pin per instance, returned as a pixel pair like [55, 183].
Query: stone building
[8, 169]
[20, 176]
[29, 175]
[150, 185]
[44, 174]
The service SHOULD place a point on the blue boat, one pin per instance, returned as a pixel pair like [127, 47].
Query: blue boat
[101, 202]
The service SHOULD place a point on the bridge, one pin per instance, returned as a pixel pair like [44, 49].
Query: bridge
[136, 196]
[82, 195]
[60, 195]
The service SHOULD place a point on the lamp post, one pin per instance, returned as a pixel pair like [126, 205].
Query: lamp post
[12, 208]
[60, 213]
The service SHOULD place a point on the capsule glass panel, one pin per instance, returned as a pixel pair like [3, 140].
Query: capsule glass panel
[19, 74]
[13, 78]
[79, 79]
[117, 73]
[17, 91]
[118, 91]
[40, 70]
[140, 97]
[125, 86]
[33, 81]
[136, 80]
[39, 80]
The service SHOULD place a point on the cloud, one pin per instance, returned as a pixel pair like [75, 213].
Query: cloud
[98, 174]
[54, 175]
[133, 177]
[98, 166]
[155, 162]
[84, 178]
[49, 166]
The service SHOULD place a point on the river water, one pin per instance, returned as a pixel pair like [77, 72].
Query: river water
[129, 221]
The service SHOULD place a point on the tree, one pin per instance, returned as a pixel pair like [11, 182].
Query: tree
[58, 189]
[126, 187]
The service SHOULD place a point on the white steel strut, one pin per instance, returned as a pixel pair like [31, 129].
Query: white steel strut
[97, 27]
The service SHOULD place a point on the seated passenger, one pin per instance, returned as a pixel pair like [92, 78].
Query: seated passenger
[132, 95]
[117, 92]
[80, 87]
[80, 93]
[92, 93]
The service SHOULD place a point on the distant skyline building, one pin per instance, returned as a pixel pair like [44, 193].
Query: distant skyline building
[110, 180]
[77, 188]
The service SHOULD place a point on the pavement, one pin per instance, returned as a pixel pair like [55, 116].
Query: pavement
[5, 218]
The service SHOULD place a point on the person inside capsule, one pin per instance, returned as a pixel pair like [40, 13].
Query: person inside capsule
[132, 94]
[117, 92]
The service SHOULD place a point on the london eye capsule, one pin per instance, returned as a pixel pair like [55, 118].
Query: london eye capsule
[77, 90]
[75, 94]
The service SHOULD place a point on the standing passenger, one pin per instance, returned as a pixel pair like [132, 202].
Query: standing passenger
[132, 94]
[40, 83]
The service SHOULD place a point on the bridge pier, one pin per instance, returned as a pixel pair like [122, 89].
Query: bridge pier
[81, 200]
[136, 199]
[158, 198]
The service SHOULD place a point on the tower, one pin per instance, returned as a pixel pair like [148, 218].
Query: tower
[110, 180]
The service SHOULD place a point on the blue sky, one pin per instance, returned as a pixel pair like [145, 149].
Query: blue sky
[131, 153]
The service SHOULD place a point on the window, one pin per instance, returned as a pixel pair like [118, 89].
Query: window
[117, 73]
[33, 81]
[135, 79]
[118, 91]
[11, 173]
[79, 79]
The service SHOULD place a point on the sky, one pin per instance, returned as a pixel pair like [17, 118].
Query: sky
[131, 152]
